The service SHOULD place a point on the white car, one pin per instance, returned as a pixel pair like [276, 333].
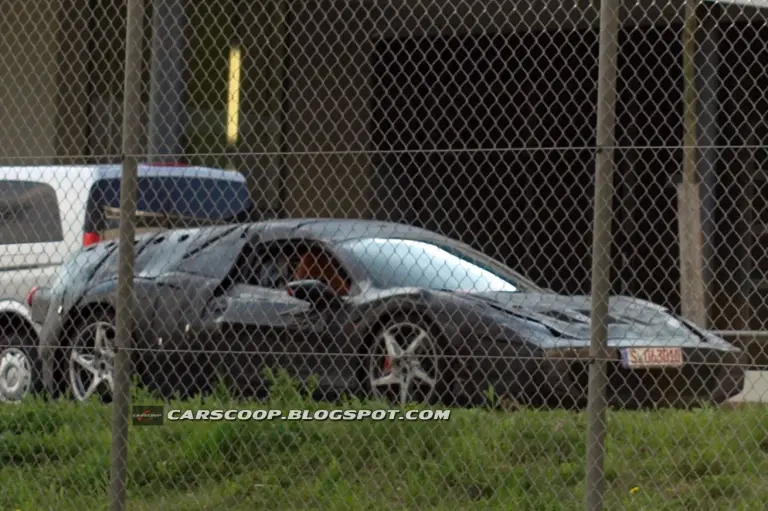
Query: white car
[49, 212]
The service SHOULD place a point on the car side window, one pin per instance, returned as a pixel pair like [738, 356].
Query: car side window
[276, 264]
[265, 265]
[272, 269]
[317, 263]
[29, 213]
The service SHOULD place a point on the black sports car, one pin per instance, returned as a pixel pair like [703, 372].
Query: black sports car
[365, 307]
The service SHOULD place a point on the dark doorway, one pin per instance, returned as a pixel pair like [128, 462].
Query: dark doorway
[489, 139]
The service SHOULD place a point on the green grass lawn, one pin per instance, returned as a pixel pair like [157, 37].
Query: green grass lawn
[56, 456]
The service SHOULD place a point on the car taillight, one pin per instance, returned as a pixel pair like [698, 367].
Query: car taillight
[90, 238]
[31, 295]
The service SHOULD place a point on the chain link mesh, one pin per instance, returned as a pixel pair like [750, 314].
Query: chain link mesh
[383, 206]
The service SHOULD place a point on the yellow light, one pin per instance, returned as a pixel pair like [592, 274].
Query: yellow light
[233, 98]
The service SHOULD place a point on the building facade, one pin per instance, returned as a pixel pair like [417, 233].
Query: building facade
[473, 118]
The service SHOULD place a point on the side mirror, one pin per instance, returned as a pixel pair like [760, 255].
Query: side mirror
[313, 291]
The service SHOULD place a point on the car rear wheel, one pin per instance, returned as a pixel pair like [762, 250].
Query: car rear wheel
[404, 364]
[19, 372]
[91, 359]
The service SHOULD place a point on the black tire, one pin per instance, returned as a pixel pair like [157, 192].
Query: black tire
[21, 343]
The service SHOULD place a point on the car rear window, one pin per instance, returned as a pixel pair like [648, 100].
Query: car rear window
[29, 213]
[169, 202]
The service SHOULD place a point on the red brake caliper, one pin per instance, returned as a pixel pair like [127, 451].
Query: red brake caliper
[387, 368]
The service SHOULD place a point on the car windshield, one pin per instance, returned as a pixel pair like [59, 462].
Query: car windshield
[409, 263]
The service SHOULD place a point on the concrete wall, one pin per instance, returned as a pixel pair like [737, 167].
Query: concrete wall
[47, 83]
[28, 80]
[330, 72]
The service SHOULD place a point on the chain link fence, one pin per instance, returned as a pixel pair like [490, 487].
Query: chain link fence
[284, 254]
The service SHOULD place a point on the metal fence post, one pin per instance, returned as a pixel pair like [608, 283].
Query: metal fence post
[692, 287]
[125, 295]
[601, 251]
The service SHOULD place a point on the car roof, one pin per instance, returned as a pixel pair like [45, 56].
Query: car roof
[62, 174]
[327, 230]
[337, 230]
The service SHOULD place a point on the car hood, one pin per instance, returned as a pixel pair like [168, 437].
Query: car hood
[631, 321]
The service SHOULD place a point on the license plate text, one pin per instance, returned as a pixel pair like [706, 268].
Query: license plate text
[652, 357]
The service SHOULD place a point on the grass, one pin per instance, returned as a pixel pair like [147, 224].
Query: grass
[56, 456]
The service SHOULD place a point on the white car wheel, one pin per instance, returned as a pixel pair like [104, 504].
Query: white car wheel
[403, 366]
[16, 373]
[91, 361]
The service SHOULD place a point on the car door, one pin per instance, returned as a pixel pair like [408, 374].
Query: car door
[252, 316]
[263, 326]
[174, 360]
[32, 238]
[320, 341]
[318, 336]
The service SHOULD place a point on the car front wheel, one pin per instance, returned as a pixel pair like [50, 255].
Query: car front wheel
[404, 365]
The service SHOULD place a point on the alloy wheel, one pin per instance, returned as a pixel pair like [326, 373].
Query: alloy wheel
[91, 361]
[403, 368]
